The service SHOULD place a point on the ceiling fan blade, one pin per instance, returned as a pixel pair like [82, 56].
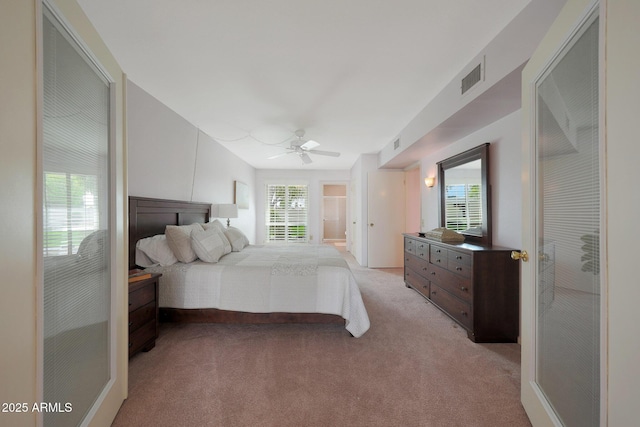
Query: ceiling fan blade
[309, 145]
[305, 158]
[324, 153]
[278, 155]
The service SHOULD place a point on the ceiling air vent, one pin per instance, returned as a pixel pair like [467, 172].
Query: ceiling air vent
[472, 78]
[396, 144]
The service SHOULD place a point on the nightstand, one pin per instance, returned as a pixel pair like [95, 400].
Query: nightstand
[143, 314]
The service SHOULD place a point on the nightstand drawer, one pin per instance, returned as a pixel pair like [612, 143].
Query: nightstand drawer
[142, 315]
[142, 296]
[143, 338]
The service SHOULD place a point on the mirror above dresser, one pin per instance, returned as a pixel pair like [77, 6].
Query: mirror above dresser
[465, 204]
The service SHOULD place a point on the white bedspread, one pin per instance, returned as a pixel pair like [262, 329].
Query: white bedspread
[267, 279]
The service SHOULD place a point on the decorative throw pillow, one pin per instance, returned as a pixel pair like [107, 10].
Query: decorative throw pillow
[237, 238]
[156, 249]
[179, 239]
[215, 223]
[209, 245]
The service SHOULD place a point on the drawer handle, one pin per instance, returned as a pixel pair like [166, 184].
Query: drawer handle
[438, 260]
[421, 254]
[462, 288]
[459, 268]
[424, 286]
[464, 313]
[458, 257]
[424, 268]
[433, 273]
[438, 251]
[433, 292]
[130, 323]
[130, 304]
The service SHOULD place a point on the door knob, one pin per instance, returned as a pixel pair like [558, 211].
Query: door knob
[371, 225]
[524, 256]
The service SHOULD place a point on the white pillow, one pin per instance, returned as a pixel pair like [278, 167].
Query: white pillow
[156, 249]
[210, 244]
[179, 239]
[237, 239]
[215, 223]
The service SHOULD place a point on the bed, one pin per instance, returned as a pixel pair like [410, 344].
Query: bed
[258, 284]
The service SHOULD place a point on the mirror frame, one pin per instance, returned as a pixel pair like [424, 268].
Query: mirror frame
[478, 153]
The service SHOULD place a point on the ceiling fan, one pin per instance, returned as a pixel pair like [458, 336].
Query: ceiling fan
[303, 148]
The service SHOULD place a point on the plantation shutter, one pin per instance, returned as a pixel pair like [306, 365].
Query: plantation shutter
[286, 213]
[463, 203]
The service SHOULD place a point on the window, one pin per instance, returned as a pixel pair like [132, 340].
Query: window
[71, 211]
[286, 213]
[463, 203]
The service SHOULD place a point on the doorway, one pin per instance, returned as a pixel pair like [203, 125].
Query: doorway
[334, 215]
[562, 282]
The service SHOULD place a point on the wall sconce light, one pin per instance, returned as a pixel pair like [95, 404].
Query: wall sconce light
[430, 181]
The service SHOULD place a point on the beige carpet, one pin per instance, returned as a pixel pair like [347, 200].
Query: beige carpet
[414, 367]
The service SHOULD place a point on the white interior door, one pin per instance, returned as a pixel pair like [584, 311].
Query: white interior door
[561, 306]
[386, 219]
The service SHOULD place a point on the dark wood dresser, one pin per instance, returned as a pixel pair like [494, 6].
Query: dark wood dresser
[143, 314]
[477, 286]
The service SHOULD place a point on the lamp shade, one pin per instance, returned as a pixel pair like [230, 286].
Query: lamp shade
[225, 211]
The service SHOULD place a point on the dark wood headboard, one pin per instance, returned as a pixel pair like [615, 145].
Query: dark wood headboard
[148, 217]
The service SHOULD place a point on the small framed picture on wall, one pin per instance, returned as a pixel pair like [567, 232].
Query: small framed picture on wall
[242, 195]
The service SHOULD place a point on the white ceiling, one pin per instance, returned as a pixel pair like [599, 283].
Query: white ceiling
[248, 73]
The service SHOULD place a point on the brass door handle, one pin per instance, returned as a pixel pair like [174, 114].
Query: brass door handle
[524, 256]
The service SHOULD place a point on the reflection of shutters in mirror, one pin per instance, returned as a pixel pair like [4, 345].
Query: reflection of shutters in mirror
[463, 203]
[286, 213]
[75, 227]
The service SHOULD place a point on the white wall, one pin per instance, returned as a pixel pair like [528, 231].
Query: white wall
[170, 158]
[504, 177]
[314, 179]
[508, 51]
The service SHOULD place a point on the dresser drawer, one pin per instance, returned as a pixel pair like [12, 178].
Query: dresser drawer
[417, 282]
[409, 245]
[142, 296]
[419, 265]
[459, 258]
[461, 269]
[457, 285]
[143, 337]
[422, 250]
[141, 316]
[454, 307]
[438, 256]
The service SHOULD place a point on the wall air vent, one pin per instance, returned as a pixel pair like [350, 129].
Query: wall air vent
[396, 144]
[472, 78]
